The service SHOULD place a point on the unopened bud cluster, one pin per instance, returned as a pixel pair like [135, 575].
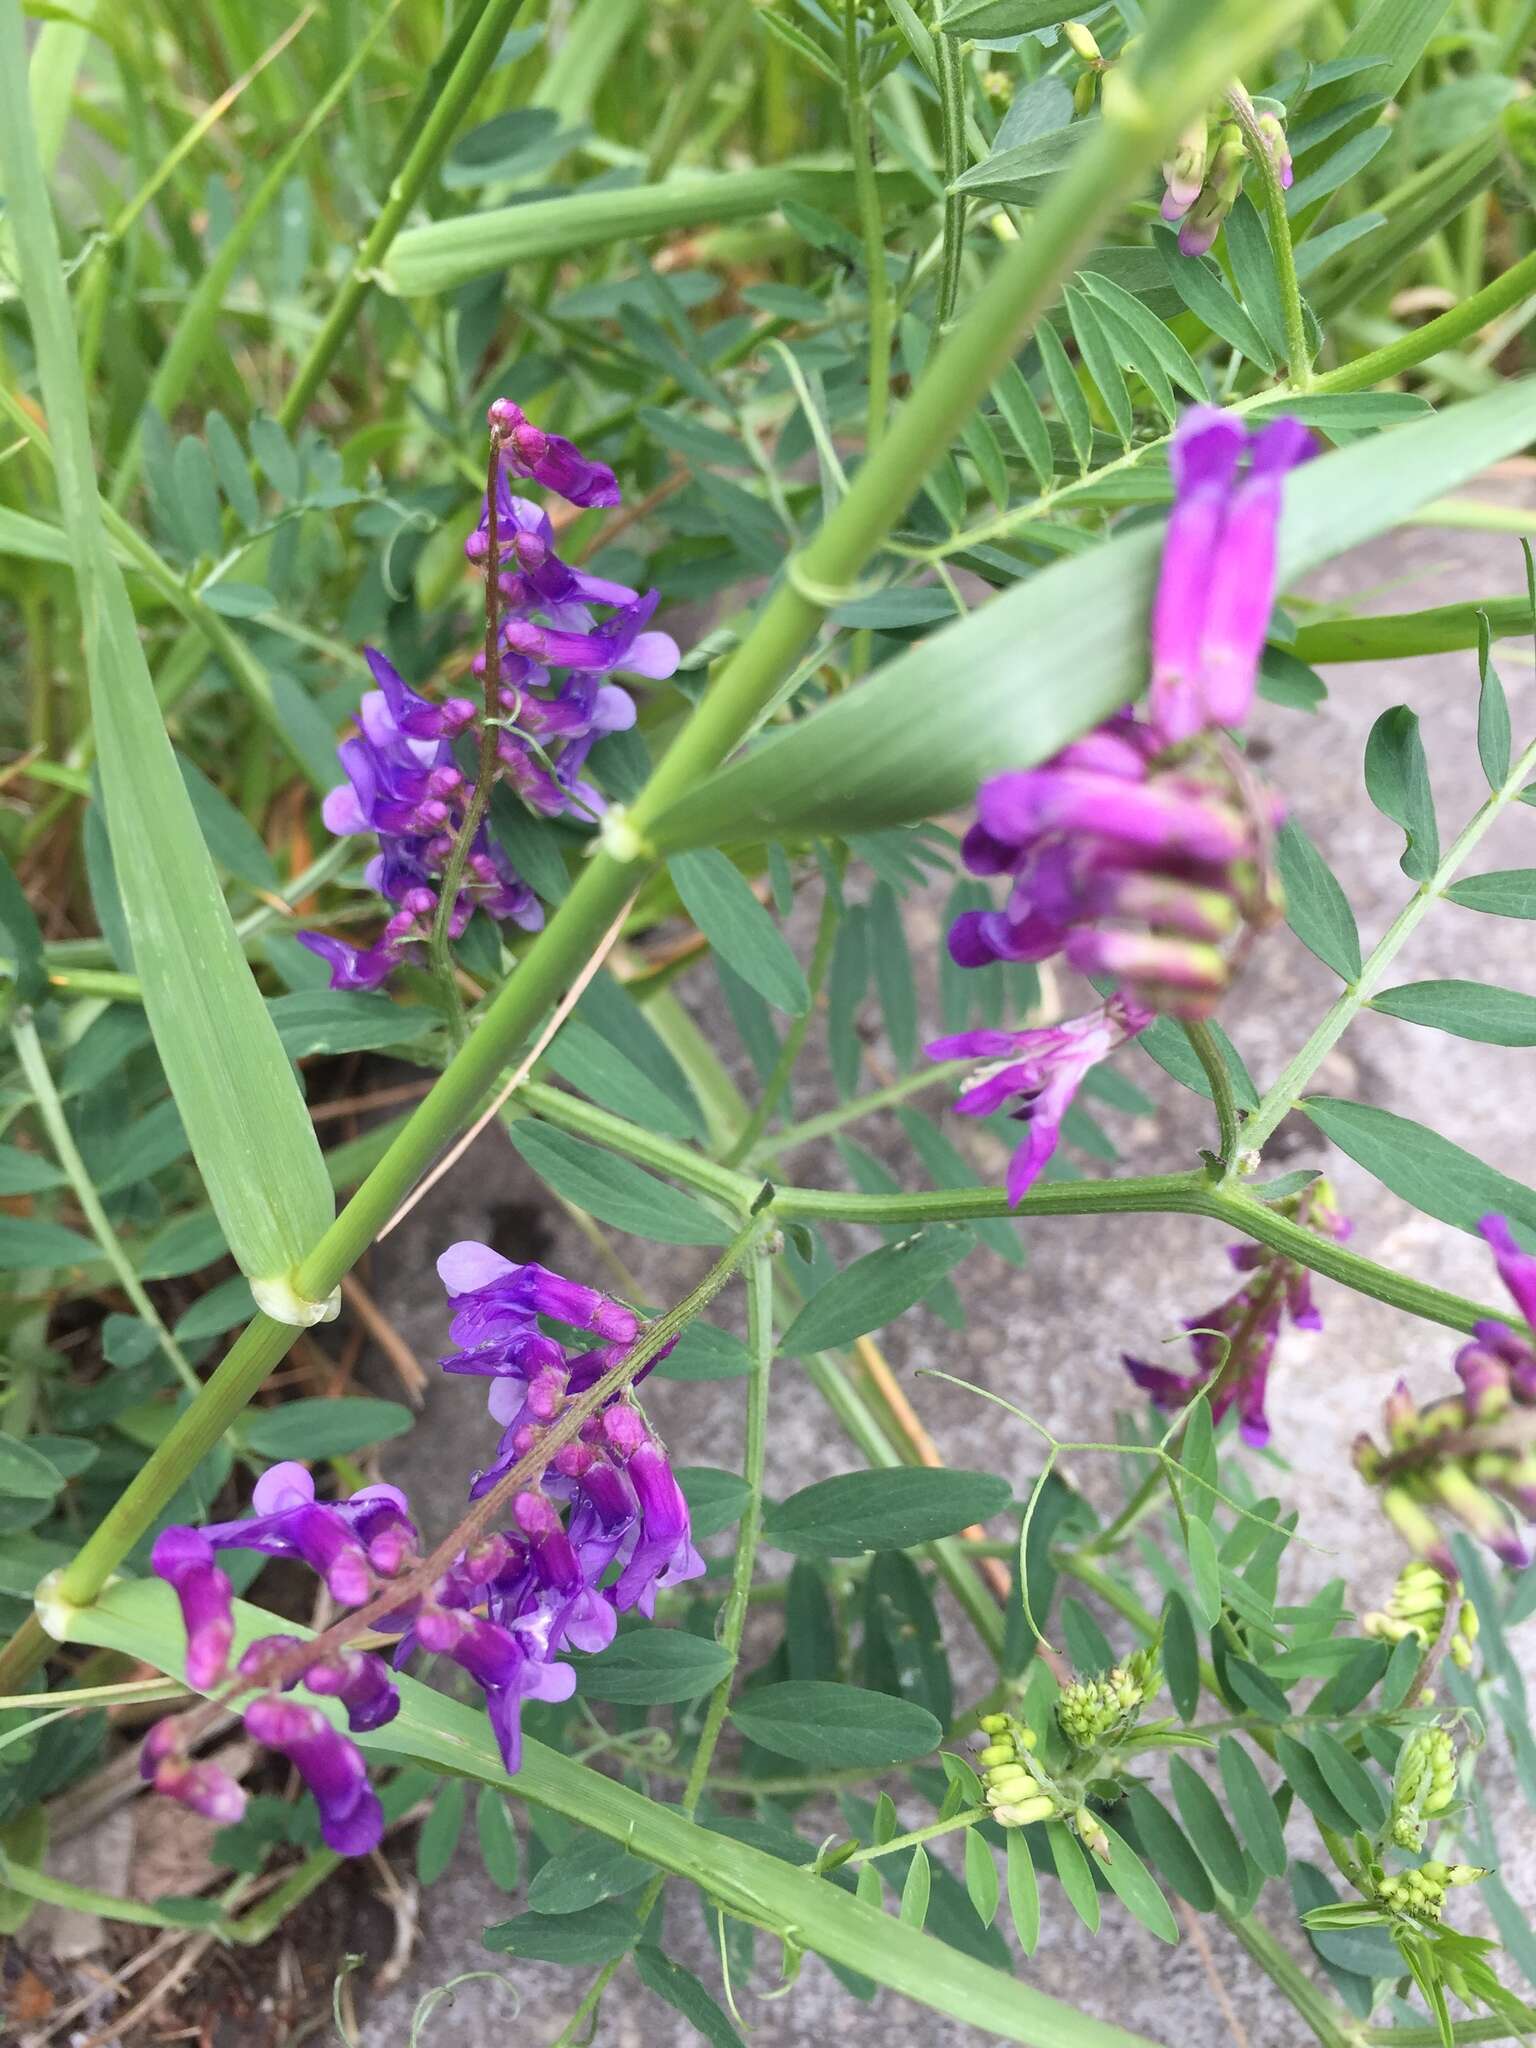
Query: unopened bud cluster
[1423, 1787]
[1470, 1455]
[1421, 1893]
[1013, 1792]
[1093, 1711]
[1204, 176]
[1417, 1606]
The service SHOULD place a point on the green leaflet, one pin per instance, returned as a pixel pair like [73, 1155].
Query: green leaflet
[237, 1094]
[143, 1620]
[876, 756]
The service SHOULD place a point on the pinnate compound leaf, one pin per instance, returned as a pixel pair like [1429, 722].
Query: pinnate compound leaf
[1397, 782]
[612, 1189]
[651, 1666]
[722, 905]
[1421, 1166]
[876, 1289]
[1136, 1888]
[1467, 1009]
[1316, 908]
[833, 1727]
[686, 1995]
[892, 1510]
[1504, 892]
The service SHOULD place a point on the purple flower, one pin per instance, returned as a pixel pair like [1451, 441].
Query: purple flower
[358, 1679]
[1233, 1344]
[351, 1819]
[1217, 585]
[348, 1542]
[550, 460]
[1045, 1068]
[1517, 1269]
[205, 1788]
[184, 1559]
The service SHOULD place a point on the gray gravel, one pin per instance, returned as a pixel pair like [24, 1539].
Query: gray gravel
[1048, 1336]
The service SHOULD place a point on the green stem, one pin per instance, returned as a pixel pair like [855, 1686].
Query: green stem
[952, 122]
[440, 108]
[1172, 1194]
[1446, 331]
[1297, 352]
[1490, 2029]
[720, 40]
[50, 1109]
[794, 1039]
[737, 1191]
[1283, 1097]
[1203, 1044]
[1319, 2012]
[832, 1120]
[967, 1819]
[867, 190]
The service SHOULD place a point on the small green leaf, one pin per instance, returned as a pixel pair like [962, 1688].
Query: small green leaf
[1169, 1848]
[715, 1499]
[233, 470]
[1466, 1009]
[22, 936]
[1493, 728]
[324, 1020]
[1205, 1568]
[584, 1056]
[1197, 1455]
[614, 1190]
[1023, 1892]
[721, 904]
[440, 1830]
[1067, 392]
[833, 1727]
[686, 1995]
[580, 1940]
[1421, 1166]
[1304, 1774]
[876, 1289]
[1094, 346]
[891, 1510]
[916, 1889]
[25, 1474]
[1316, 908]
[1136, 1888]
[1204, 290]
[1505, 892]
[1158, 340]
[981, 1879]
[894, 982]
[1020, 409]
[1252, 1807]
[1397, 782]
[1181, 1656]
[31, 1241]
[704, 1352]
[651, 1666]
[590, 1870]
[275, 452]
[1087, 1644]
[1208, 1828]
[1348, 1780]
[318, 1428]
[1076, 1878]
[498, 1839]
[197, 497]
[24, 1173]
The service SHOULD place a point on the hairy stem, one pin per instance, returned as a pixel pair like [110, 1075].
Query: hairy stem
[967, 1819]
[952, 119]
[1203, 1044]
[1328, 2021]
[1297, 352]
[867, 189]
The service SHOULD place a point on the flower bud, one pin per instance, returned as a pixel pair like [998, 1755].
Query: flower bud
[1024, 1815]
[1083, 42]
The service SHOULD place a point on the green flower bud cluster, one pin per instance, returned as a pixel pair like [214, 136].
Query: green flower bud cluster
[1416, 1608]
[1015, 1795]
[1465, 1636]
[1471, 1456]
[1093, 1711]
[1421, 1893]
[1424, 1785]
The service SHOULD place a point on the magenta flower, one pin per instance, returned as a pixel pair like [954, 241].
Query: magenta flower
[551, 460]
[205, 1788]
[351, 1819]
[349, 1543]
[1044, 1068]
[184, 1559]
[1217, 585]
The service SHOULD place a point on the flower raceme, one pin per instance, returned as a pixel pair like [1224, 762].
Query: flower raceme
[1140, 852]
[405, 784]
[1203, 177]
[1233, 1345]
[1471, 1455]
[594, 1536]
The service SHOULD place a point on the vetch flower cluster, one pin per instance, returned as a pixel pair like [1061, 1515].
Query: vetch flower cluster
[593, 1536]
[1203, 177]
[1094, 1711]
[1420, 1601]
[1005, 1762]
[405, 783]
[1233, 1345]
[1471, 1455]
[1423, 1786]
[1141, 852]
